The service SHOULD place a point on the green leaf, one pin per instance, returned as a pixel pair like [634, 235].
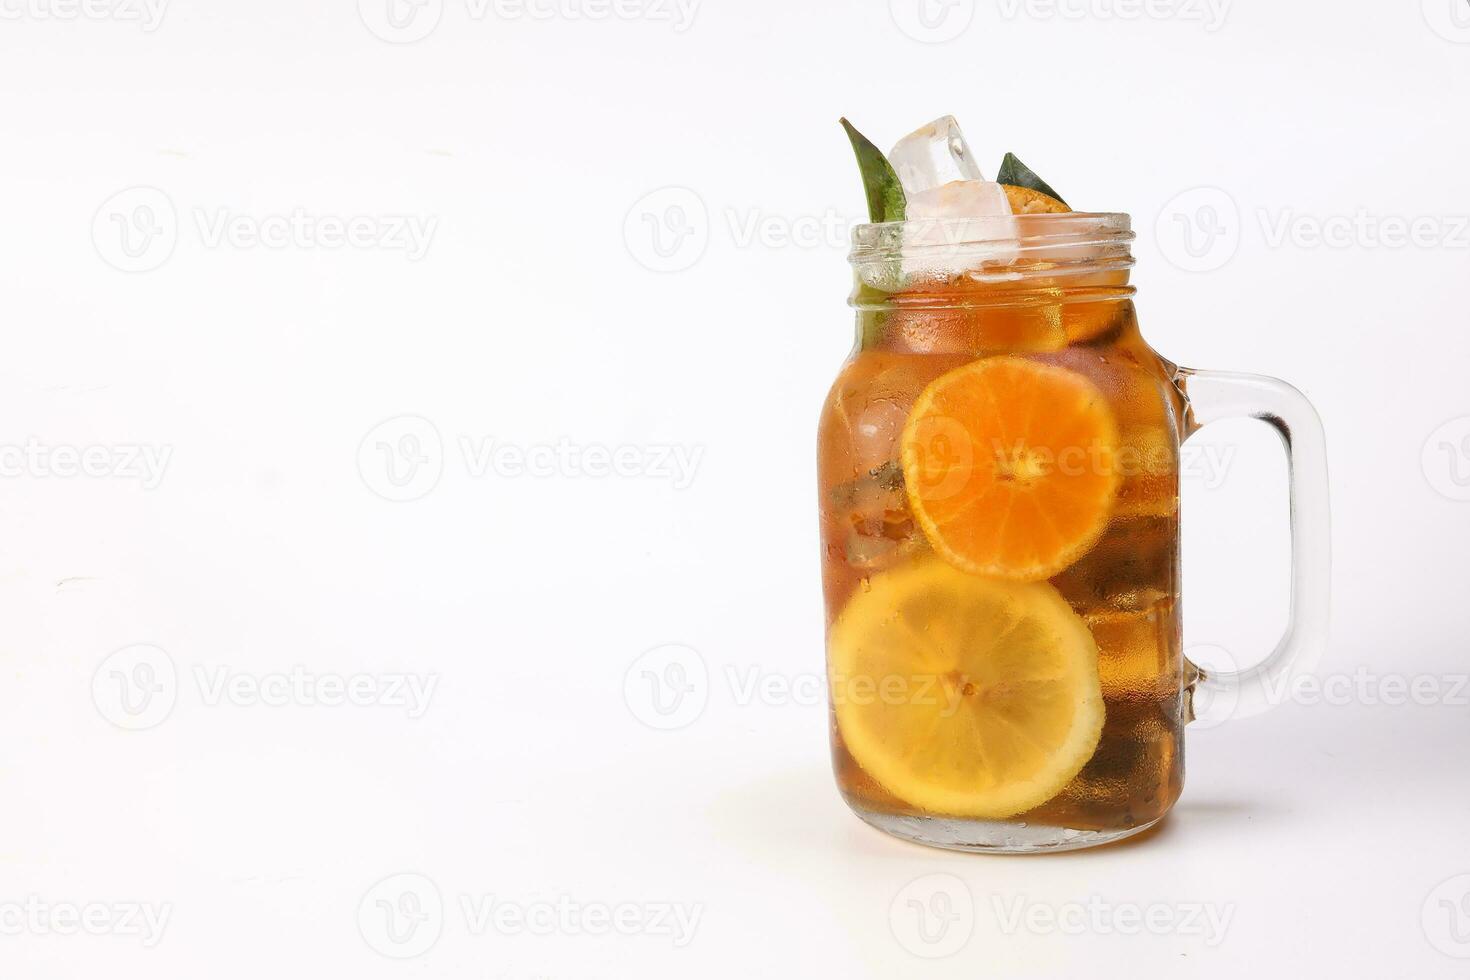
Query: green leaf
[885, 194]
[1017, 174]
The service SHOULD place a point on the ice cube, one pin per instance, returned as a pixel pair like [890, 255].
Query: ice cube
[1131, 568]
[932, 156]
[950, 203]
[959, 199]
[1132, 778]
[961, 226]
[1138, 652]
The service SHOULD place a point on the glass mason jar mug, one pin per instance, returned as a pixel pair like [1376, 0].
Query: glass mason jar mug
[999, 503]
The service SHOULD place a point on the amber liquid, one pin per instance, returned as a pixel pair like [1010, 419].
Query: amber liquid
[1126, 588]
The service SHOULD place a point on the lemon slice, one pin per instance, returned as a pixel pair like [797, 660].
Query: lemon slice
[965, 696]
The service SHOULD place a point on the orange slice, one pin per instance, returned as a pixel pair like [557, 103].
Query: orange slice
[1024, 200]
[1010, 467]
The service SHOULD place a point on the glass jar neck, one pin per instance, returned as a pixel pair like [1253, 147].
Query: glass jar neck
[990, 259]
[1019, 282]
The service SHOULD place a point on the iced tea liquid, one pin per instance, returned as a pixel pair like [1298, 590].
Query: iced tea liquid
[1124, 587]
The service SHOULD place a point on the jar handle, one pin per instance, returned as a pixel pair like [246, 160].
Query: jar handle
[1214, 395]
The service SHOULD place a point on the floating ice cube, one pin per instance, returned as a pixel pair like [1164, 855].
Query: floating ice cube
[950, 202]
[933, 155]
[962, 199]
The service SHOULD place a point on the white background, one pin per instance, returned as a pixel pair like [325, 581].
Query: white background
[1330, 833]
